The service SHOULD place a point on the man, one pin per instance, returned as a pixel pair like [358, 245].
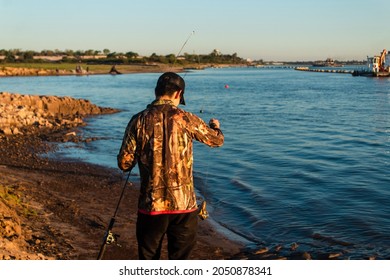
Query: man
[159, 139]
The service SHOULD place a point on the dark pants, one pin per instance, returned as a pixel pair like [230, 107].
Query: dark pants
[181, 230]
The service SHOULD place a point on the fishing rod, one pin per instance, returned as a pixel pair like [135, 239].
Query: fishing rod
[109, 237]
[185, 43]
[182, 47]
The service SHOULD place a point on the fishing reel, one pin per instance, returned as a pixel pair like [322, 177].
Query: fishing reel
[112, 238]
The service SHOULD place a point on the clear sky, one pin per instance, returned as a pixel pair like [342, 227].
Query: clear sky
[256, 29]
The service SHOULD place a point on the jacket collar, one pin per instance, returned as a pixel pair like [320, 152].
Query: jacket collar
[157, 102]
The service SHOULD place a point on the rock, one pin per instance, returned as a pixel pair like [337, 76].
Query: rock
[16, 131]
[19, 112]
[294, 246]
[306, 256]
[7, 131]
[334, 255]
[261, 251]
[71, 134]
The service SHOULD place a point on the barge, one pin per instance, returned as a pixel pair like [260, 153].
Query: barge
[377, 66]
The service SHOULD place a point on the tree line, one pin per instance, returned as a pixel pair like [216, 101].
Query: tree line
[108, 57]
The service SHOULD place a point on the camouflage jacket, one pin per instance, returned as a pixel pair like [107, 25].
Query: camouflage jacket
[159, 139]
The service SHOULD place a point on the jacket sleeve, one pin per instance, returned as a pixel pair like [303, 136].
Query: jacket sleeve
[127, 153]
[203, 133]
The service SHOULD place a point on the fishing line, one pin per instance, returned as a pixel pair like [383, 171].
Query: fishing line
[185, 73]
[182, 47]
[185, 43]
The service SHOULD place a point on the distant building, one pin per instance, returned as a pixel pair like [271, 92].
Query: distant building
[100, 56]
[52, 58]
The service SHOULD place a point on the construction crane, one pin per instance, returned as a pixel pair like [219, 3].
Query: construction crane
[382, 60]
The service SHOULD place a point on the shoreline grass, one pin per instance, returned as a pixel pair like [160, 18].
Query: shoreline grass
[70, 67]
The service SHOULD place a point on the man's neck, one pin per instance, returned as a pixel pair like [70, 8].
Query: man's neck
[173, 99]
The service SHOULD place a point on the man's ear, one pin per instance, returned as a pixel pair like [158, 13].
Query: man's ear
[178, 94]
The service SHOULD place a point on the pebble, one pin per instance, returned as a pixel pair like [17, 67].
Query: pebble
[294, 246]
[261, 251]
[334, 255]
[306, 256]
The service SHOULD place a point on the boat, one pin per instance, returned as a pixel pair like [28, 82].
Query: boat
[329, 62]
[377, 66]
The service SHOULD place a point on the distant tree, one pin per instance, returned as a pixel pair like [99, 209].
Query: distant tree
[215, 52]
[154, 57]
[78, 53]
[131, 55]
[26, 56]
[234, 57]
[121, 58]
[47, 52]
[170, 58]
[89, 52]
[10, 57]
[69, 52]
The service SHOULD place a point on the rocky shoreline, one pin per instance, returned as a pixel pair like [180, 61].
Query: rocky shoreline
[85, 69]
[22, 114]
[12, 71]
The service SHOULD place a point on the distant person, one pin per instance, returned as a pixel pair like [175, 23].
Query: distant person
[159, 139]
